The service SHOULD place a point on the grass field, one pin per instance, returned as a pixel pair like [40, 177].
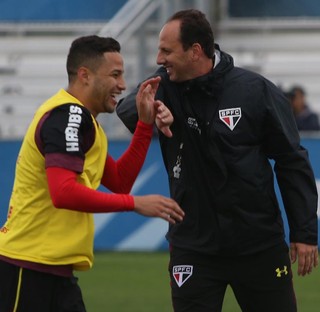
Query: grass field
[138, 282]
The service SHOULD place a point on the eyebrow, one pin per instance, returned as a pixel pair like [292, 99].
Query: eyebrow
[164, 49]
[117, 71]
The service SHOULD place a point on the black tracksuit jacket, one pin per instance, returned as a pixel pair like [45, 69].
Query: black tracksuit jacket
[227, 127]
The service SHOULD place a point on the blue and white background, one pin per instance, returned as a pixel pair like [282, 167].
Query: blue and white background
[127, 230]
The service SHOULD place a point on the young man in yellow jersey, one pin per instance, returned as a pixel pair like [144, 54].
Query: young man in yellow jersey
[63, 159]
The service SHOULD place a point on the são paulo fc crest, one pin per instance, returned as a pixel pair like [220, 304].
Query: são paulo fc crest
[181, 273]
[230, 116]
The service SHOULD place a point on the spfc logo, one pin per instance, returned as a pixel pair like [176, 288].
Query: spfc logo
[230, 116]
[181, 273]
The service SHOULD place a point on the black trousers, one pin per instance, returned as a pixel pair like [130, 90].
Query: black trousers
[23, 290]
[261, 282]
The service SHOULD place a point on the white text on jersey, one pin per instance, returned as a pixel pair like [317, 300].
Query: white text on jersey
[71, 131]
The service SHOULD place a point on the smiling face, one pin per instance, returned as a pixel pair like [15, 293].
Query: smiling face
[105, 83]
[177, 61]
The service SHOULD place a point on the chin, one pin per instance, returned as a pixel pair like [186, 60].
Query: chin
[110, 110]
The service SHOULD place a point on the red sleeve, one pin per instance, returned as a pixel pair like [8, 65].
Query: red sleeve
[119, 176]
[67, 193]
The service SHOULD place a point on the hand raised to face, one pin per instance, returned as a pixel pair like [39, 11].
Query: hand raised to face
[145, 100]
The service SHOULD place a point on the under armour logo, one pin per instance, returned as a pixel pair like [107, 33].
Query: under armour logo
[284, 271]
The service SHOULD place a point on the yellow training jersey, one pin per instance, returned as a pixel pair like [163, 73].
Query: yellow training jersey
[35, 230]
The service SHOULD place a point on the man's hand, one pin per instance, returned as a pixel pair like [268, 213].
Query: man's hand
[164, 118]
[145, 100]
[158, 206]
[307, 256]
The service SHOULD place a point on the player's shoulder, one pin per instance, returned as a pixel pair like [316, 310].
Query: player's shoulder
[67, 115]
[72, 108]
[72, 112]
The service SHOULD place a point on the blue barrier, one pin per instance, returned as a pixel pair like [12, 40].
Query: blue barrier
[58, 10]
[127, 230]
[273, 8]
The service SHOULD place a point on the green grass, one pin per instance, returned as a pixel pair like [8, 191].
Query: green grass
[139, 282]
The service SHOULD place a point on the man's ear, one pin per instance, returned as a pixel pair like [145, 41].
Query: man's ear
[83, 74]
[197, 51]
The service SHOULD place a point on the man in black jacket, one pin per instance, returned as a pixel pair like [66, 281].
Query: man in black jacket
[228, 123]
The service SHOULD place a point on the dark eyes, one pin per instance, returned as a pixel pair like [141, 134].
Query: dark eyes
[167, 52]
[116, 75]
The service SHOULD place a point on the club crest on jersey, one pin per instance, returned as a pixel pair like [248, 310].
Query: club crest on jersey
[230, 116]
[181, 273]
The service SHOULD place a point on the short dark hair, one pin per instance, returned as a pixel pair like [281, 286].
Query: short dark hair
[298, 89]
[195, 28]
[88, 51]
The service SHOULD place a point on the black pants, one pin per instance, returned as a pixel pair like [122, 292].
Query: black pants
[261, 282]
[23, 290]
